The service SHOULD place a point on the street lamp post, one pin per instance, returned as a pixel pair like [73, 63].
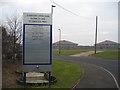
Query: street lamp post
[96, 34]
[52, 8]
[59, 41]
[50, 72]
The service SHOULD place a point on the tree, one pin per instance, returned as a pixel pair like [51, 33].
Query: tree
[14, 25]
[6, 44]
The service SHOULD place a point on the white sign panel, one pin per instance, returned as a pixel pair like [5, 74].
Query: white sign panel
[37, 42]
[37, 18]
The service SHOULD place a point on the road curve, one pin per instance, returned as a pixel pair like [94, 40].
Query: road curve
[95, 77]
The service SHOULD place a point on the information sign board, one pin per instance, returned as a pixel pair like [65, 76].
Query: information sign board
[37, 41]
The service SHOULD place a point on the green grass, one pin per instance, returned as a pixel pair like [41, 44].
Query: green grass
[67, 74]
[109, 54]
[68, 52]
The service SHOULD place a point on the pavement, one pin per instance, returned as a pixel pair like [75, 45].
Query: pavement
[0, 79]
[86, 53]
[94, 76]
[0, 73]
[0, 69]
[0, 63]
[0, 59]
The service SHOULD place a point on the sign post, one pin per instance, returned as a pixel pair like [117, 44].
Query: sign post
[37, 42]
[24, 78]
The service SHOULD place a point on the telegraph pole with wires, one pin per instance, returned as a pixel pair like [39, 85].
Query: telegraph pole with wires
[96, 34]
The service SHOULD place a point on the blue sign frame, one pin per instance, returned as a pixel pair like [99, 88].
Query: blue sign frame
[23, 49]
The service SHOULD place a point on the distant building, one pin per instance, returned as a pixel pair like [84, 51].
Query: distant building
[85, 47]
[107, 44]
[63, 44]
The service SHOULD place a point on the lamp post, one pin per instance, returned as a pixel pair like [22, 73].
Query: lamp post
[50, 72]
[59, 41]
[52, 8]
[96, 34]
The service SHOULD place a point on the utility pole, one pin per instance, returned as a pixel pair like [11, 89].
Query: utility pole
[59, 41]
[96, 34]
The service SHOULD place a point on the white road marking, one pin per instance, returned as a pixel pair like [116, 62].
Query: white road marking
[112, 76]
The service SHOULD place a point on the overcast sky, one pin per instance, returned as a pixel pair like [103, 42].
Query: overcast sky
[75, 18]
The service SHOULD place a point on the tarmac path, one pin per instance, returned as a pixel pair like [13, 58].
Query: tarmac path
[95, 76]
[86, 53]
[0, 77]
[0, 72]
[0, 59]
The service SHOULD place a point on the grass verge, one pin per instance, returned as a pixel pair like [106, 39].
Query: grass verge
[109, 54]
[68, 52]
[67, 75]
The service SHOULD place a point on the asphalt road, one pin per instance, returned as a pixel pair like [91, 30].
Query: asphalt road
[0, 78]
[0, 65]
[0, 73]
[110, 65]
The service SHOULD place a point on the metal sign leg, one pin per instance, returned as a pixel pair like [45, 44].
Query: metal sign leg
[49, 79]
[24, 78]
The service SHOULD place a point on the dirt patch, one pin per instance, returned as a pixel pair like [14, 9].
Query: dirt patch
[9, 75]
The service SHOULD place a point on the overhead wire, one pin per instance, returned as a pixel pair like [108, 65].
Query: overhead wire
[77, 15]
[70, 11]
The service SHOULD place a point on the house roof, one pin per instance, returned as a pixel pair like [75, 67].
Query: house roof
[107, 42]
[64, 42]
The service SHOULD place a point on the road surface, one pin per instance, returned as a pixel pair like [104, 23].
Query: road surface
[110, 65]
